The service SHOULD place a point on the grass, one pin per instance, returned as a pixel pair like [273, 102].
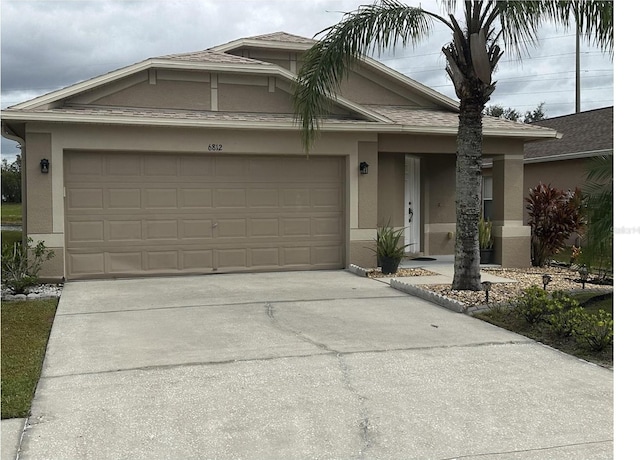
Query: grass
[25, 332]
[591, 302]
[11, 214]
[9, 237]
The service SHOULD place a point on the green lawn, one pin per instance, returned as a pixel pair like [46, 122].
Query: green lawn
[25, 333]
[11, 213]
[11, 236]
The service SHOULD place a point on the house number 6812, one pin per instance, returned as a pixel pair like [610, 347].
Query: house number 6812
[215, 147]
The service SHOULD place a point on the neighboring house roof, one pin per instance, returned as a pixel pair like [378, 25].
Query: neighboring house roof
[585, 134]
[379, 118]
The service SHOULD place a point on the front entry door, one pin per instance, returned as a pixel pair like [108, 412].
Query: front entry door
[412, 203]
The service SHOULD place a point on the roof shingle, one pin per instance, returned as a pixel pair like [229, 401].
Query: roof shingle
[582, 132]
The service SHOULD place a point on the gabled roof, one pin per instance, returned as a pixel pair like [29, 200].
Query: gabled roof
[286, 41]
[373, 118]
[585, 134]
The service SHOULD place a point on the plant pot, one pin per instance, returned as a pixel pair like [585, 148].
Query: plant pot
[389, 264]
[486, 256]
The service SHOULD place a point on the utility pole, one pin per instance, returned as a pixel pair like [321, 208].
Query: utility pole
[577, 66]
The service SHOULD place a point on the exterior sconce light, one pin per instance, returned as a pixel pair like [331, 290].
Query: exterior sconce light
[486, 287]
[546, 279]
[44, 166]
[364, 167]
[584, 274]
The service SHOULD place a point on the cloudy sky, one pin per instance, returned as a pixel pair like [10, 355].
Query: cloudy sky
[47, 45]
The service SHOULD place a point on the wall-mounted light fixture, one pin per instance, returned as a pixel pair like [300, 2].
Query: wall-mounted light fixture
[44, 166]
[364, 167]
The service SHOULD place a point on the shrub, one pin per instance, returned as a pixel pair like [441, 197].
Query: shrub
[564, 322]
[22, 263]
[553, 216]
[594, 331]
[484, 234]
[535, 304]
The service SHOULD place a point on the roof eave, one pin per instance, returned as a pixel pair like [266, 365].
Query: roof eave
[360, 126]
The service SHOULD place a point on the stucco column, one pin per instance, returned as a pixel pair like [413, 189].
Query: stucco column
[512, 239]
[38, 201]
[362, 234]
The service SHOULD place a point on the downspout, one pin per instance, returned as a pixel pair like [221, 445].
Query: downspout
[8, 133]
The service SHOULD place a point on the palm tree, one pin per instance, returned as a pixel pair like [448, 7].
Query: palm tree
[471, 57]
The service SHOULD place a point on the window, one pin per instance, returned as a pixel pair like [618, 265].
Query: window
[487, 197]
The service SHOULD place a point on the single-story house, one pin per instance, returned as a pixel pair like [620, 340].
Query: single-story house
[563, 162]
[193, 163]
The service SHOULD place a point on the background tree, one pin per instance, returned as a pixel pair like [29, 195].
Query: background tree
[597, 253]
[536, 115]
[471, 58]
[498, 111]
[11, 181]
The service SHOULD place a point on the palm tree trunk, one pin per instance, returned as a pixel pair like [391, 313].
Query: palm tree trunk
[468, 185]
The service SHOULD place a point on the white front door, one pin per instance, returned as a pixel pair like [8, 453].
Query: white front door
[412, 203]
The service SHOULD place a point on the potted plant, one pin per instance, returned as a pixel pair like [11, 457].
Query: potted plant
[389, 249]
[486, 241]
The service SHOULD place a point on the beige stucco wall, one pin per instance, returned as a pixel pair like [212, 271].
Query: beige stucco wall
[512, 246]
[246, 98]
[440, 175]
[188, 95]
[391, 189]
[38, 185]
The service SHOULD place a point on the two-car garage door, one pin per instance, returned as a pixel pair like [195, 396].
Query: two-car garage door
[130, 214]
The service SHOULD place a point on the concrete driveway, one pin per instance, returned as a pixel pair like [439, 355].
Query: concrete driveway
[302, 365]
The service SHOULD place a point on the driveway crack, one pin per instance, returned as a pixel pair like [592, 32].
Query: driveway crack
[270, 312]
[364, 425]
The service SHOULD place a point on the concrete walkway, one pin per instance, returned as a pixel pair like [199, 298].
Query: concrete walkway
[301, 365]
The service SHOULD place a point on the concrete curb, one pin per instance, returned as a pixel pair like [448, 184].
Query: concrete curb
[438, 299]
[356, 270]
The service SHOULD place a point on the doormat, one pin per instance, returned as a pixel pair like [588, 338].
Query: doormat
[423, 258]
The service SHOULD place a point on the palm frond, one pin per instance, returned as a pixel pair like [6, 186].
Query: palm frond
[381, 26]
[520, 20]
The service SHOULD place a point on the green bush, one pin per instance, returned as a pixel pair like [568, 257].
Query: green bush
[535, 304]
[594, 331]
[22, 263]
[564, 322]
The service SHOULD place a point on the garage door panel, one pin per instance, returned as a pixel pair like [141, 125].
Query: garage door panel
[124, 230]
[196, 198]
[264, 227]
[197, 229]
[118, 165]
[161, 229]
[296, 256]
[85, 199]
[123, 198]
[230, 197]
[197, 259]
[124, 262]
[162, 165]
[86, 232]
[163, 260]
[83, 265]
[231, 258]
[263, 198]
[264, 257]
[154, 214]
[161, 198]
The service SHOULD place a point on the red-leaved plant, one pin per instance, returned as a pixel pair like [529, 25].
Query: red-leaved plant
[553, 216]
